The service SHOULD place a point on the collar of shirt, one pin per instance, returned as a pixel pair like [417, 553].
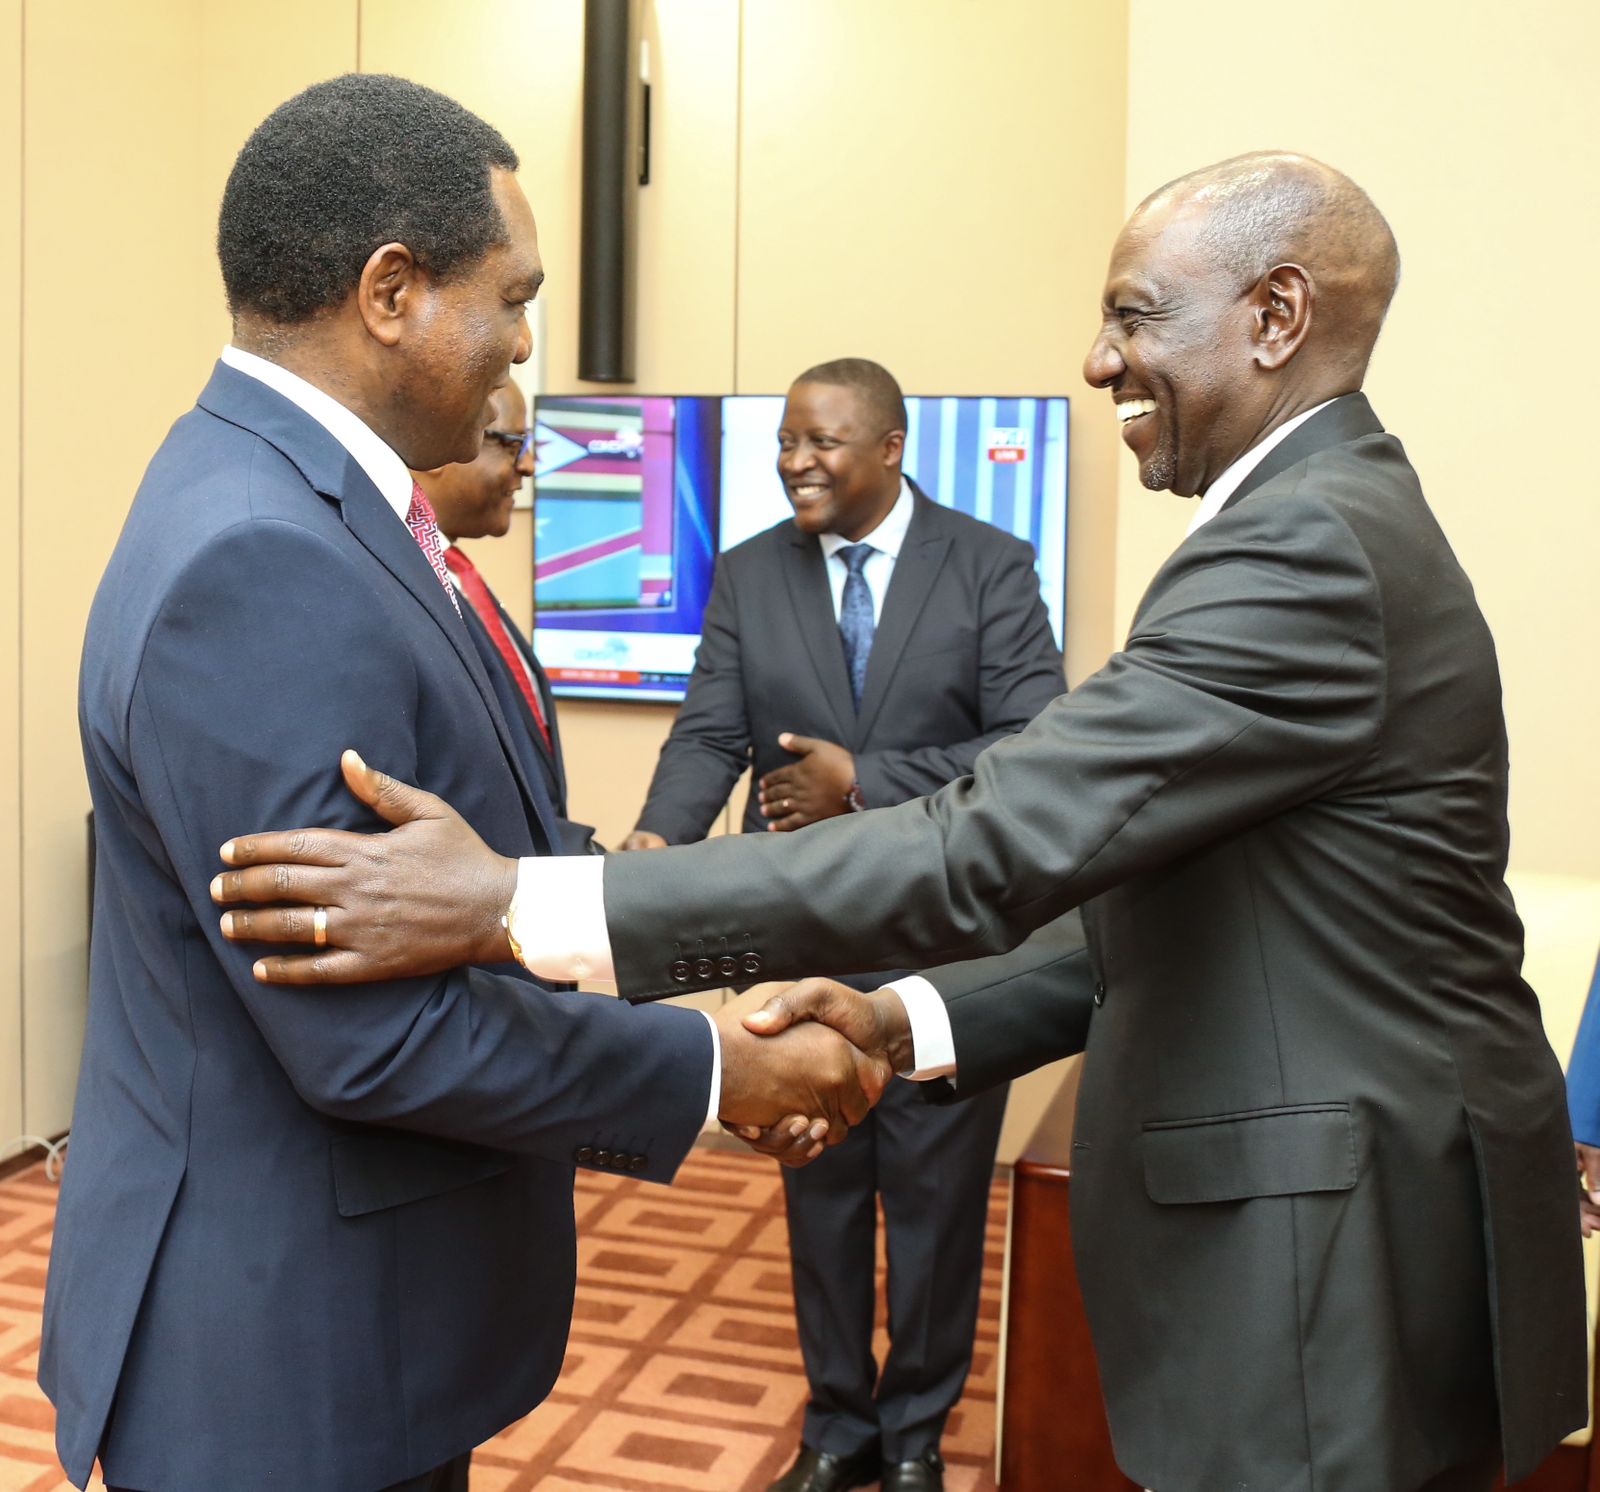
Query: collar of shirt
[379, 461]
[887, 537]
[1218, 493]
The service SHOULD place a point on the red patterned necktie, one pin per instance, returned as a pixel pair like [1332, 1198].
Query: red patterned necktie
[477, 589]
[425, 530]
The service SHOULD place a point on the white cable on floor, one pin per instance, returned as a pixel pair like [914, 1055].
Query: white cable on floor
[53, 1151]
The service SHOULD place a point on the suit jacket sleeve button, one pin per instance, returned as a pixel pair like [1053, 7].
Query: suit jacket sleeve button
[639, 1162]
[584, 1154]
[751, 963]
[1099, 994]
[727, 966]
[704, 968]
[679, 970]
[602, 1157]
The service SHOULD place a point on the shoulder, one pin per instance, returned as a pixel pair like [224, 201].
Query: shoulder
[765, 548]
[976, 543]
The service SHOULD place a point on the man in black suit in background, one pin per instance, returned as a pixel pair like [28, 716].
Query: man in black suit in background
[474, 500]
[859, 655]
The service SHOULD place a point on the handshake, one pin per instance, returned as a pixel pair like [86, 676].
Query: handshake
[802, 1063]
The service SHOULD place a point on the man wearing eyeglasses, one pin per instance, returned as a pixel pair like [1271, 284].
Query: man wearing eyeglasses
[474, 500]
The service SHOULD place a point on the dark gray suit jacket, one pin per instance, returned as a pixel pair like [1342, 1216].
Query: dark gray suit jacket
[1324, 1205]
[963, 655]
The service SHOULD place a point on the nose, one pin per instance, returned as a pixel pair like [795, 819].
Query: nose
[524, 341]
[525, 461]
[1104, 365]
[796, 459]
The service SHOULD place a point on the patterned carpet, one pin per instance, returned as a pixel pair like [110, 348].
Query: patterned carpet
[683, 1353]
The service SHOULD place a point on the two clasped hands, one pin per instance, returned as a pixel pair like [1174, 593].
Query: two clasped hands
[801, 1063]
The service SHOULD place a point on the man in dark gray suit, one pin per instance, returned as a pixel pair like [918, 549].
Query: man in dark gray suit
[857, 655]
[1325, 1197]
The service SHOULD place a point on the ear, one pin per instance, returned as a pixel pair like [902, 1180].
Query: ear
[1281, 309]
[391, 282]
[894, 447]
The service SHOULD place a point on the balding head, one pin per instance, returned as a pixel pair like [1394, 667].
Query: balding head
[1238, 297]
[1274, 207]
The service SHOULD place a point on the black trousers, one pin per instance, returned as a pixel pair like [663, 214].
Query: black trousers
[451, 1477]
[932, 1165]
[1470, 1476]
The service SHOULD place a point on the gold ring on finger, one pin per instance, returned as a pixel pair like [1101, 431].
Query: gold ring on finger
[319, 926]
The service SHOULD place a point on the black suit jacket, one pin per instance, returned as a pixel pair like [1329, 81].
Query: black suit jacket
[1324, 1207]
[963, 655]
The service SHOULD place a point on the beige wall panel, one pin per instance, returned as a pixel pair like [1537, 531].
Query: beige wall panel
[1475, 134]
[934, 186]
[10, 433]
[114, 250]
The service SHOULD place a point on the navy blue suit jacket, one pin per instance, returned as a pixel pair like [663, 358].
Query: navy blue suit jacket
[310, 1239]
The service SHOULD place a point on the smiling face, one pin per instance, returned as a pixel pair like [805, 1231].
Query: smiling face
[465, 332]
[1176, 351]
[841, 472]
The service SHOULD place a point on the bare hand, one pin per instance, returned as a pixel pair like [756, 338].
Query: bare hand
[643, 839]
[768, 1081]
[875, 1023]
[1589, 1181]
[424, 897]
[812, 788]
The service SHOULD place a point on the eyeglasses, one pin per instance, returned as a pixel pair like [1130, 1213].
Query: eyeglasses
[514, 445]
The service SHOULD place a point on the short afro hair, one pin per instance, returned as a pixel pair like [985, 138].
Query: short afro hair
[872, 382]
[343, 168]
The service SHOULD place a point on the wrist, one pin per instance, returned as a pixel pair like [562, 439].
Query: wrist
[497, 906]
[894, 1023]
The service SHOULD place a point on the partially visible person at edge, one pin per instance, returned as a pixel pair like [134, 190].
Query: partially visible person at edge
[301, 1243]
[474, 500]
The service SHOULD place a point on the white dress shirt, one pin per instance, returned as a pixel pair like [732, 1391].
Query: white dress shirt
[391, 477]
[886, 540]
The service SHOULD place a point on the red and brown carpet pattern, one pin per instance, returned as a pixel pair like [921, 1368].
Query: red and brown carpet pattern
[683, 1374]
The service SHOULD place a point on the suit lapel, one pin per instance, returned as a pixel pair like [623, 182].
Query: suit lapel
[1347, 418]
[922, 556]
[806, 573]
[334, 473]
[549, 751]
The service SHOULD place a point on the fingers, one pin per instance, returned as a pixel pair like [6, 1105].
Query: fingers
[787, 824]
[1589, 1170]
[800, 745]
[388, 797]
[309, 883]
[278, 925]
[335, 966]
[329, 847]
[793, 1141]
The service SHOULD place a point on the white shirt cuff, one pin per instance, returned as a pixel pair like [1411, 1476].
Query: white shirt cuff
[933, 1045]
[558, 918]
[715, 1106]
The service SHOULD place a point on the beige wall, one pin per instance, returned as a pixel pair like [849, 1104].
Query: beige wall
[10, 613]
[1474, 127]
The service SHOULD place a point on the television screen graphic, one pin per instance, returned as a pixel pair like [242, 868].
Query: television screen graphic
[636, 496]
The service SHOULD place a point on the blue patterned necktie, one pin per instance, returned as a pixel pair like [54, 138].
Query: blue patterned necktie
[856, 622]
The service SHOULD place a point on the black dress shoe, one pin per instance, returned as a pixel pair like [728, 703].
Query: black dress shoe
[821, 1471]
[925, 1474]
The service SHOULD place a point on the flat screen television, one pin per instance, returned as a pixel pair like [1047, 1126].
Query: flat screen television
[636, 495]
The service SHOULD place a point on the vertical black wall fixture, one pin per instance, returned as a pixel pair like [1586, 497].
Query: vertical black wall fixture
[611, 132]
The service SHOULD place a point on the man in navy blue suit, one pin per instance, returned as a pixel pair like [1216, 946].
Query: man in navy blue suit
[313, 1244]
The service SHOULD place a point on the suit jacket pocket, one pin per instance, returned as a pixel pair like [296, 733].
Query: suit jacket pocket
[374, 1171]
[1259, 1153]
